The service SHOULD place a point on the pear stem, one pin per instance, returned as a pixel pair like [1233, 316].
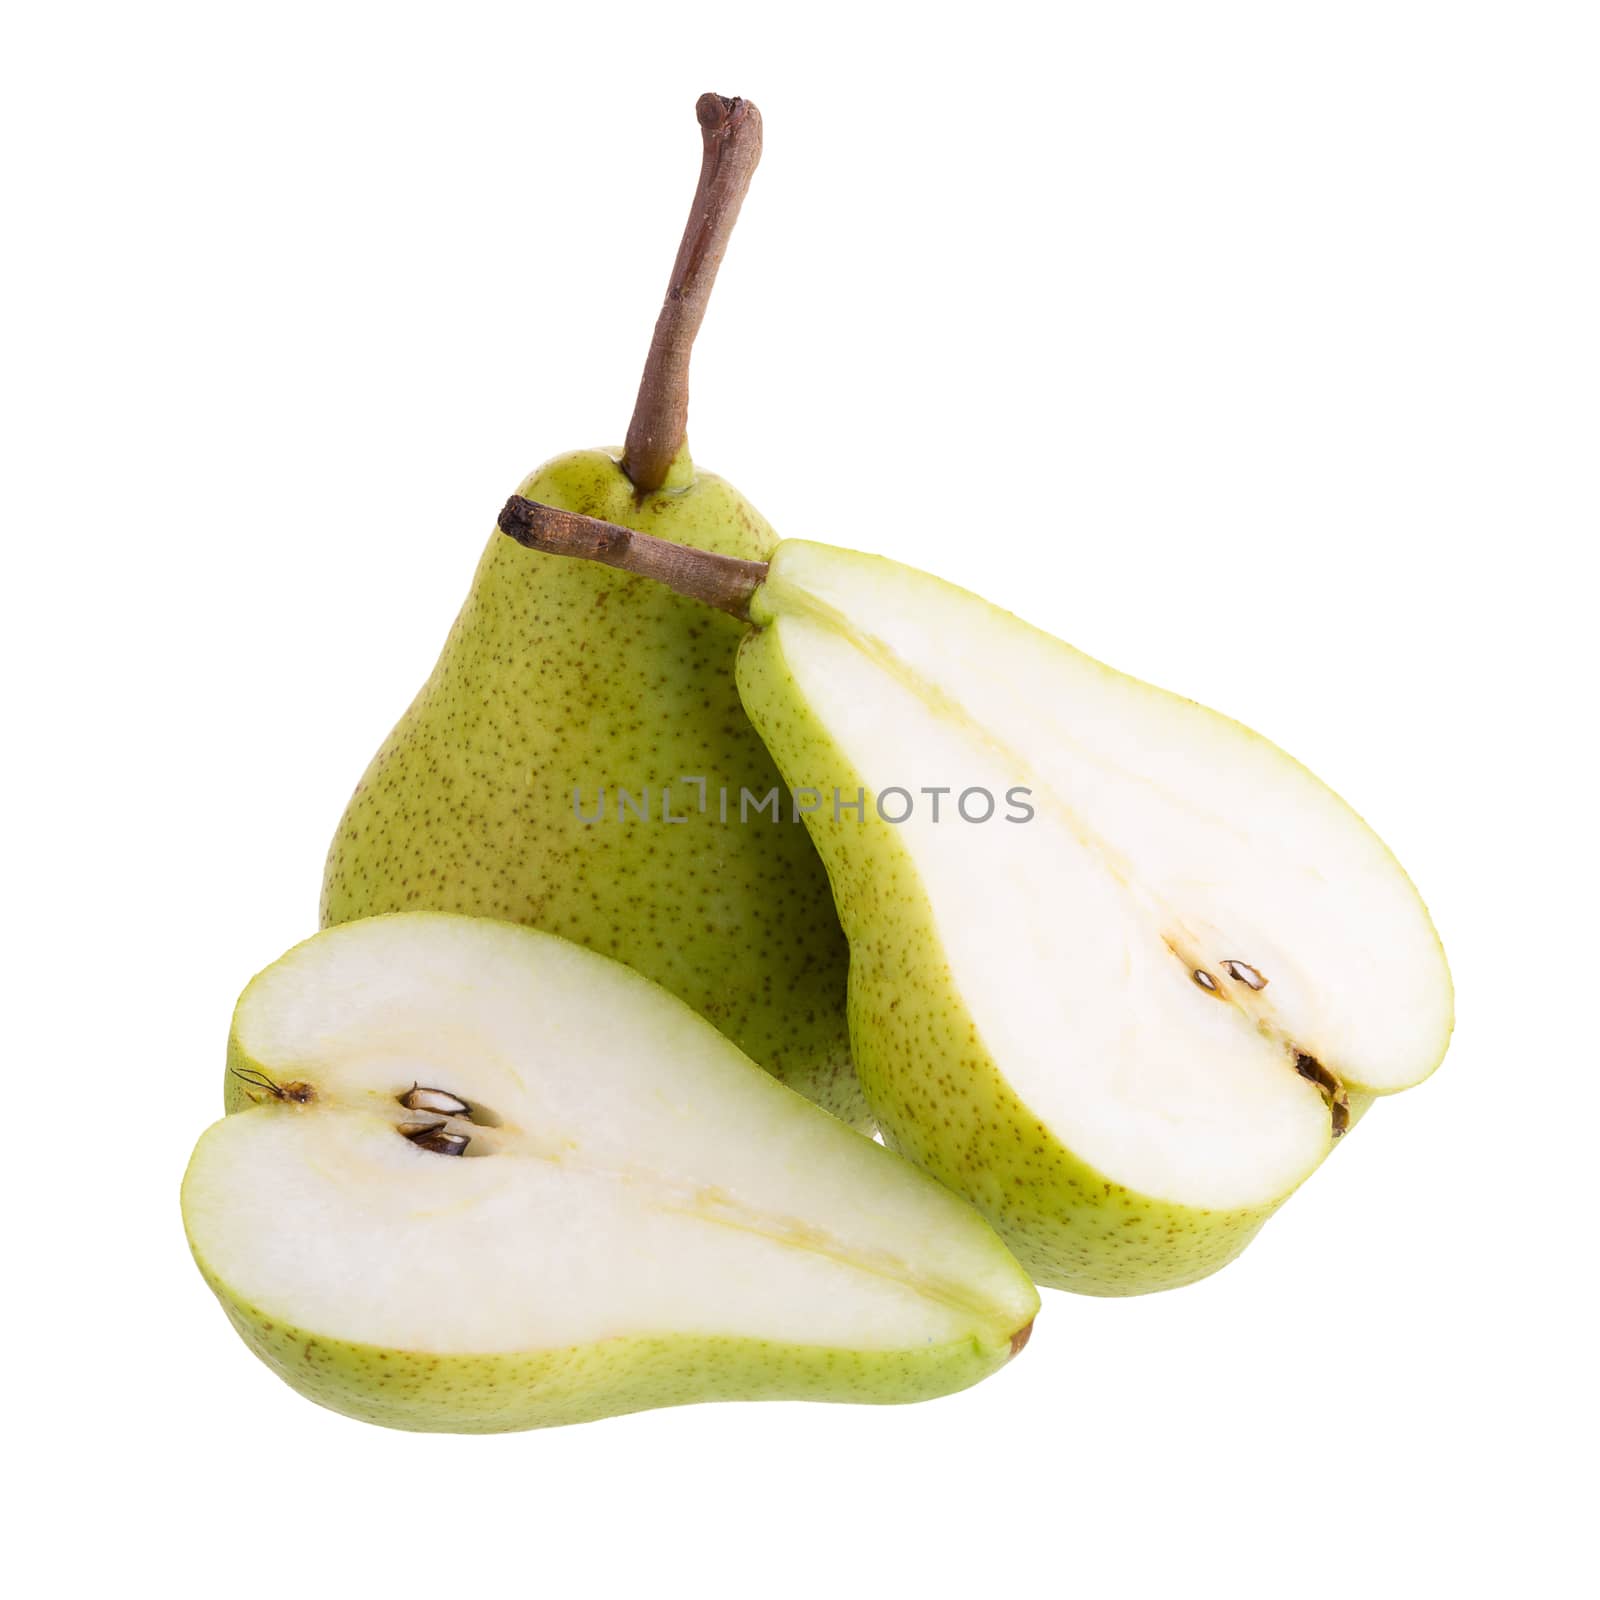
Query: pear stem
[731, 131]
[714, 580]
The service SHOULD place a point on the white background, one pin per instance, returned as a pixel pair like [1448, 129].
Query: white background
[1251, 348]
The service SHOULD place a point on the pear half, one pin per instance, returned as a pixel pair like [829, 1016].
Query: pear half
[475, 1178]
[1121, 971]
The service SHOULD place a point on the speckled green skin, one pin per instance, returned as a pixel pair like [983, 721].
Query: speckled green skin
[563, 674]
[545, 1389]
[940, 1098]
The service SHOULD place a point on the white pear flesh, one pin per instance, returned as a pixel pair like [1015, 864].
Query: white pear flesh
[1112, 1006]
[641, 1216]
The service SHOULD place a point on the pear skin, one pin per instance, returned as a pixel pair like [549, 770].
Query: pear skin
[420, 1392]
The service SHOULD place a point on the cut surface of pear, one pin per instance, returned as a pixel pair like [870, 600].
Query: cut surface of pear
[1129, 1024]
[475, 1177]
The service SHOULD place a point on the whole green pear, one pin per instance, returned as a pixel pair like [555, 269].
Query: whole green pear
[566, 764]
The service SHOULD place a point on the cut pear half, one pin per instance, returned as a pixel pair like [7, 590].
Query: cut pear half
[477, 1178]
[1130, 987]
[1121, 970]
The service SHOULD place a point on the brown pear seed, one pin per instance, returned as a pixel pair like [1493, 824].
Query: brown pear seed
[418, 1098]
[1244, 973]
[435, 1136]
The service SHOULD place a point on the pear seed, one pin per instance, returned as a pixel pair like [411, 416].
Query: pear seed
[1205, 980]
[1244, 973]
[436, 1137]
[417, 1098]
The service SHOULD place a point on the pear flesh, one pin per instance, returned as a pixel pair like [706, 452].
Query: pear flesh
[478, 1178]
[1129, 1025]
[561, 687]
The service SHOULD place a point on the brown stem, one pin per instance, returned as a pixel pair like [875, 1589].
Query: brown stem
[731, 130]
[721, 581]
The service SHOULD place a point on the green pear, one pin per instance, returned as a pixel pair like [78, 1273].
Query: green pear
[1121, 971]
[476, 1178]
[564, 765]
